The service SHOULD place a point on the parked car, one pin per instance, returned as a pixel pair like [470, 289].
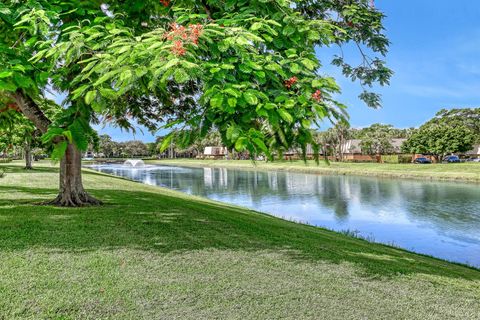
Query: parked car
[38, 157]
[473, 160]
[451, 159]
[422, 160]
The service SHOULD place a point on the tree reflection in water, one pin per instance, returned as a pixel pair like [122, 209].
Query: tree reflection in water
[436, 218]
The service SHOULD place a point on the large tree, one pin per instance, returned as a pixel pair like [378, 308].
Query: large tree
[245, 68]
[450, 131]
[377, 139]
[108, 147]
[134, 148]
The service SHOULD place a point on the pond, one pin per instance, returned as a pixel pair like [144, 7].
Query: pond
[436, 218]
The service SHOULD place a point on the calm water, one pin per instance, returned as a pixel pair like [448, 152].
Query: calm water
[436, 218]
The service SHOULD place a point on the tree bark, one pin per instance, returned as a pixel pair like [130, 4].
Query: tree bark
[71, 191]
[28, 156]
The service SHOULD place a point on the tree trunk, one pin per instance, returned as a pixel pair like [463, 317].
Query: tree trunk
[28, 156]
[71, 193]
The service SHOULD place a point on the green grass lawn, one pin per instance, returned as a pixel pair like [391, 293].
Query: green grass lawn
[152, 253]
[468, 171]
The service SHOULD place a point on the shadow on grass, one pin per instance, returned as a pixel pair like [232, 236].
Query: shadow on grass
[20, 169]
[167, 223]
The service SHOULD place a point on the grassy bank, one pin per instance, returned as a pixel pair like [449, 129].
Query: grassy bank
[151, 253]
[447, 172]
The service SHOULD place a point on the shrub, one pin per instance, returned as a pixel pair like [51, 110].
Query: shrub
[5, 160]
[390, 158]
[405, 158]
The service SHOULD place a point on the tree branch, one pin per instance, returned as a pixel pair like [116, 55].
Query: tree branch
[31, 110]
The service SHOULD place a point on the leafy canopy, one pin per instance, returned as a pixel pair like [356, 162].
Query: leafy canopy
[246, 68]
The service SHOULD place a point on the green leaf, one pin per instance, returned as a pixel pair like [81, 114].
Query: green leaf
[232, 102]
[68, 135]
[250, 97]
[242, 41]
[270, 106]
[223, 46]
[317, 83]
[5, 74]
[166, 142]
[233, 92]
[309, 64]
[259, 142]
[241, 144]
[59, 150]
[44, 76]
[90, 96]
[288, 30]
[285, 115]
[217, 100]
[256, 26]
[306, 123]
[78, 134]
[260, 74]
[97, 106]
[244, 68]
[291, 53]
[181, 76]
[290, 103]
[51, 133]
[295, 68]
[233, 133]
[227, 66]
[313, 35]
[281, 98]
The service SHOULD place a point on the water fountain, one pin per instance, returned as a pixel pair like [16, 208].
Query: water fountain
[134, 163]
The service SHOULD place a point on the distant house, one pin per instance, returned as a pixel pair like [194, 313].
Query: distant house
[354, 146]
[294, 154]
[397, 144]
[351, 147]
[475, 152]
[352, 150]
[215, 152]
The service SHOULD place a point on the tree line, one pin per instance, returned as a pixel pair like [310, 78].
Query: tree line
[449, 131]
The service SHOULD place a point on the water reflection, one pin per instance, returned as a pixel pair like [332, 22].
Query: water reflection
[441, 219]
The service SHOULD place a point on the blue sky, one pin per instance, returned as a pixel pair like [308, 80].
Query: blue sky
[435, 54]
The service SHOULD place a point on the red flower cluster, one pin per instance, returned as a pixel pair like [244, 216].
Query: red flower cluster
[290, 82]
[317, 95]
[178, 48]
[195, 32]
[165, 3]
[179, 34]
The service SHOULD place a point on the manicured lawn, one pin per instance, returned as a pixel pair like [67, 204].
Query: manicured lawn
[468, 171]
[151, 253]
